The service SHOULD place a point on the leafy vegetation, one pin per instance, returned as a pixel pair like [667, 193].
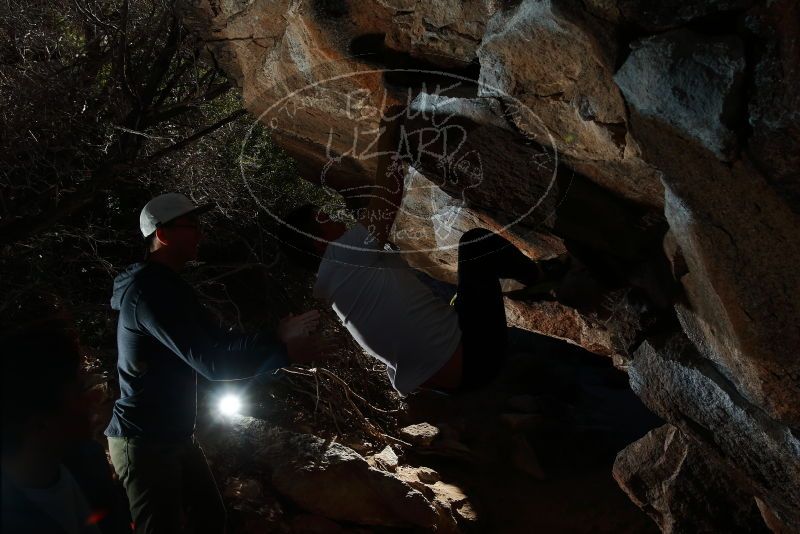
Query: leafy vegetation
[106, 104]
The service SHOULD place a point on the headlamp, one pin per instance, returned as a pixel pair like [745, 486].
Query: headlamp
[230, 405]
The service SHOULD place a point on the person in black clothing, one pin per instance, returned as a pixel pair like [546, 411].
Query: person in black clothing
[46, 416]
[165, 340]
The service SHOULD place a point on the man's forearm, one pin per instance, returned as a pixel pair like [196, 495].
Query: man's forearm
[247, 355]
[389, 175]
[380, 214]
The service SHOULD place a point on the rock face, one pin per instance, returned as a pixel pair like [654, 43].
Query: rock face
[688, 81]
[774, 108]
[336, 482]
[682, 490]
[656, 142]
[561, 90]
[758, 453]
[331, 480]
[736, 236]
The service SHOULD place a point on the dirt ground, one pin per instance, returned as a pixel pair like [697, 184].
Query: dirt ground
[532, 453]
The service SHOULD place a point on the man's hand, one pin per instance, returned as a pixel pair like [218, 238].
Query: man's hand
[302, 343]
[379, 215]
[298, 325]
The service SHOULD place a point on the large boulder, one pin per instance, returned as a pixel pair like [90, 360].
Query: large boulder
[734, 233]
[326, 478]
[666, 475]
[738, 241]
[305, 53]
[689, 82]
[334, 481]
[758, 453]
[774, 111]
[561, 91]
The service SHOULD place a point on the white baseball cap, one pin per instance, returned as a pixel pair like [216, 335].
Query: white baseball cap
[165, 208]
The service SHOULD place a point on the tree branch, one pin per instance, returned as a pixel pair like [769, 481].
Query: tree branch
[24, 228]
[194, 137]
[178, 109]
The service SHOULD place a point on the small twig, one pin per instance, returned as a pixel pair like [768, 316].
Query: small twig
[237, 269]
[142, 134]
[236, 307]
[336, 395]
[316, 401]
[194, 137]
[333, 415]
[348, 391]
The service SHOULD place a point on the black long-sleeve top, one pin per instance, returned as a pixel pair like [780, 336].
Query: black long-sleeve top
[165, 339]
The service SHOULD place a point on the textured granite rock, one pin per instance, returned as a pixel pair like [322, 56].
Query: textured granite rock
[329, 479]
[757, 452]
[690, 82]
[669, 477]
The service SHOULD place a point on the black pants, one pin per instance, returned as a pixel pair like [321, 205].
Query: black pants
[483, 259]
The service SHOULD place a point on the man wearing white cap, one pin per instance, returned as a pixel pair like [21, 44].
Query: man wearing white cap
[165, 339]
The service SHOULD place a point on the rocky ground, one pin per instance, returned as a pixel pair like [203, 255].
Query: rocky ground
[533, 452]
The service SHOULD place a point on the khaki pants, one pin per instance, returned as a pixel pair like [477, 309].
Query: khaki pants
[166, 483]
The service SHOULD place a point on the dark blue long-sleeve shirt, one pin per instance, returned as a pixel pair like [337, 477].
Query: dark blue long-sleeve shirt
[164, 339]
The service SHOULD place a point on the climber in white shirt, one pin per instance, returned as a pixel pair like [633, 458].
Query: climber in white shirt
[396, 318]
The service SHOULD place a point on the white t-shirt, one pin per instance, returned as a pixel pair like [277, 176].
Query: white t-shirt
[65, 503]
[387, 310]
